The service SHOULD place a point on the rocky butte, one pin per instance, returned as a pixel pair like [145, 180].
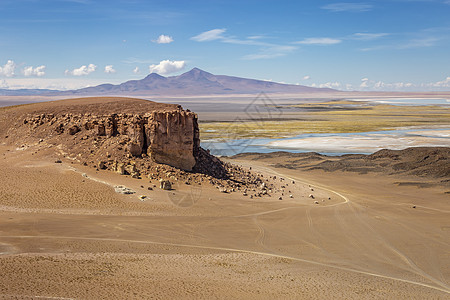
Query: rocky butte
[122, 134]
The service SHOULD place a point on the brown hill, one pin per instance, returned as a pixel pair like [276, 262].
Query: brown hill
[432, 162]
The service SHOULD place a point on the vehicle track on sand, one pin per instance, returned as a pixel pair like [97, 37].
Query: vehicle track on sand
[353, 206]
[441, 289]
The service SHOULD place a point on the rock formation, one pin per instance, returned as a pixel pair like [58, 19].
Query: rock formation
[168, 137]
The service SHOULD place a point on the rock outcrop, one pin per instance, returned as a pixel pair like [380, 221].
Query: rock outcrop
[167, 137]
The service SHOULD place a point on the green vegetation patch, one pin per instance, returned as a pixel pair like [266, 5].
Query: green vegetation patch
[373, 118]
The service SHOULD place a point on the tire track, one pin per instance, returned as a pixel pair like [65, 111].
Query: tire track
[437, 288]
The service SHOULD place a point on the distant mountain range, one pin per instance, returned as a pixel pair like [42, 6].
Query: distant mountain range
[193, 82]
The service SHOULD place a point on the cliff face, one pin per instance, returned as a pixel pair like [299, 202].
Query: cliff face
[168, 137]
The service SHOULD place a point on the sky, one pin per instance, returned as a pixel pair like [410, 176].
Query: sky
[387, 45]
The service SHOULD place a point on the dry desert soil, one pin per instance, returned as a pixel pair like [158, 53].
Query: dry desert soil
[65, 233]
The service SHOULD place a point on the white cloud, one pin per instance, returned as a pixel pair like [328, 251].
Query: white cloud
[441, 84]
[167, 67]
[83, 70]
[330, 85]
[319, 41]
[8, 70]
[372, 85]
[163, 39]
[368, 36]
[30, 71]
[256, 37]
[350, 7]
[134, 60]
[211, 35]
[267, 50]
[364, 83]
[367, 84]
[64, 83]
[109, 69]
[4, 84]
[136, 70]
[270, 51]
[419, 43]
[410, 44]
[307, 77]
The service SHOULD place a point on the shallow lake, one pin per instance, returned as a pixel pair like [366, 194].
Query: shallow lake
[337, 143]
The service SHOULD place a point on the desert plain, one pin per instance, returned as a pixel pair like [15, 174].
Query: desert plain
[343, 229]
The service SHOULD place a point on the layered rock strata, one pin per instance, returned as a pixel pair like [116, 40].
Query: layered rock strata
[168, 137]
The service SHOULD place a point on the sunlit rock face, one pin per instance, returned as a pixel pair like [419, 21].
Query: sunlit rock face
[168, 137]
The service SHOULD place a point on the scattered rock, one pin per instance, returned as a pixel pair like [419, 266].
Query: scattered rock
[123, 190]
[58, 161]
[73, 129]
[311, 196]
[101, 165]
[165, 184]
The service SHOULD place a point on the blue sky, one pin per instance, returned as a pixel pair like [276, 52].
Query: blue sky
[369, 45]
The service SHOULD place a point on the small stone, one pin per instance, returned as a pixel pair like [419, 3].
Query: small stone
[58, 161]
[165, 184]
[311, 196]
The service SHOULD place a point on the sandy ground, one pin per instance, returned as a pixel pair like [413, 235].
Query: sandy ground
[66, 234]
